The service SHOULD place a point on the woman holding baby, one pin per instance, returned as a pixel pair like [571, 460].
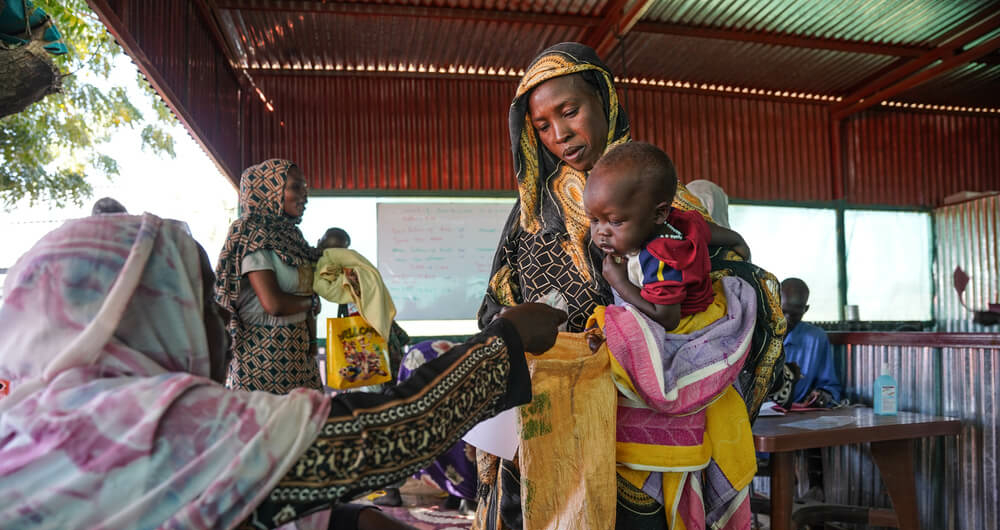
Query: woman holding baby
[564, 117]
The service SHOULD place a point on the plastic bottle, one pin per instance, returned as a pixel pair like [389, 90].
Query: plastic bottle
[886, 399]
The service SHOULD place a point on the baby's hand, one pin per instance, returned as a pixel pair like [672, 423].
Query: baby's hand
[595, 338]
[615, 270]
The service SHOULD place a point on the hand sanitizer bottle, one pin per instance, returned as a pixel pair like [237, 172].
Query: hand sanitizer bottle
[885, 393]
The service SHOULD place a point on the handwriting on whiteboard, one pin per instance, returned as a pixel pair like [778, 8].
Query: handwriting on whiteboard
[435, 258]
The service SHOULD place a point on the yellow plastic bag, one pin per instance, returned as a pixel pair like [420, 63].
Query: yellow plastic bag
[356, 355]
[567, 451]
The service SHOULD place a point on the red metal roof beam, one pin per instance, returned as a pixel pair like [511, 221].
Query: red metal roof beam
[207, 10]
[117, 28]
[781, 39]
[948, 52]
[407, 11]
[617, 22]
[987, 47]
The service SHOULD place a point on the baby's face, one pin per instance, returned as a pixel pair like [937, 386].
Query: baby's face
[621, 220]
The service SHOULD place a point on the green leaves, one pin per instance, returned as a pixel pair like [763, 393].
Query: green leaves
[47, 150]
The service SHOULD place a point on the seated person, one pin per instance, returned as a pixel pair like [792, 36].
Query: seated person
[808, 347]
[114, 355]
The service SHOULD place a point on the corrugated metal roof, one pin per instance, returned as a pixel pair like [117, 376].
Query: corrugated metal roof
[748, 64]
[916, 22]
[974, 85]
[562, 7]
[828, 47]
[323, 41]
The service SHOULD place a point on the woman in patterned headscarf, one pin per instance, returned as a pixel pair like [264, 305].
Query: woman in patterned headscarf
[564, 116]
[264, 278]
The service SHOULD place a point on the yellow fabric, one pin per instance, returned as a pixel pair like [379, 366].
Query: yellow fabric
[663, 456]
[566, 455]
[374, 302]
[618, 373]
[728, 429]
[673, 488]
[714, 311]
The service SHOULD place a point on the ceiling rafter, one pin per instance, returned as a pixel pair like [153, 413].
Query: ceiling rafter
[209, 16]
[950, 63]
[951, 54]
[781, 39]
[395, 10]
[615, 24]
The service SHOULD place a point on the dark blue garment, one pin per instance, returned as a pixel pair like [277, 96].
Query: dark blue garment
[807, 346]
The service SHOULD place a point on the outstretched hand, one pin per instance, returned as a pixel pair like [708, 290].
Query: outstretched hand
[537, 324]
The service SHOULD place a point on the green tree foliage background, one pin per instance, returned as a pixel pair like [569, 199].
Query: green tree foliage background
[47, 150]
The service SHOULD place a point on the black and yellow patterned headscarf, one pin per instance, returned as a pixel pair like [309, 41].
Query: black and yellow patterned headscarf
[561, 208]
[262, 225]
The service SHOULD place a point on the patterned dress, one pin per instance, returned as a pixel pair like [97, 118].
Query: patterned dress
[270, 356]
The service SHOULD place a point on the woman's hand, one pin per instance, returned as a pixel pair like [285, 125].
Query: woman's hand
[615, 270]
[537, 324]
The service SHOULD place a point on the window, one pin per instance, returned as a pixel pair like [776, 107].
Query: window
[889, 264]
[795, 242]
[446, 301]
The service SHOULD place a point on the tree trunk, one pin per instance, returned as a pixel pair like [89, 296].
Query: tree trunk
[27, 74]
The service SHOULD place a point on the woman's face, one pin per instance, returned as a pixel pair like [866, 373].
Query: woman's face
[570, 120]
[296, 193]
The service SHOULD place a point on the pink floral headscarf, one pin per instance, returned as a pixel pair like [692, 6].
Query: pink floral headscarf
[111, 420]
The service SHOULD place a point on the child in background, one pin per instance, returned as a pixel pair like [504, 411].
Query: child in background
[656, 258]
[396, 338]
[339, 238]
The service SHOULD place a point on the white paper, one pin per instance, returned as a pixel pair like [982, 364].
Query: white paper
[767, 409]
[497, 435]
[822, 422]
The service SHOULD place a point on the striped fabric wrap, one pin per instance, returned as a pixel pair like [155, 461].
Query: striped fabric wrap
[683, 435]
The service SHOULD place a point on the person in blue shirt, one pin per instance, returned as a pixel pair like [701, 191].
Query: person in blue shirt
[808, 347]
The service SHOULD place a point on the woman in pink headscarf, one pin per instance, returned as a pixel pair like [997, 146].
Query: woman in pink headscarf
[113, 353]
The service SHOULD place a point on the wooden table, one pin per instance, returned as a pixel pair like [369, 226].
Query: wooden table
[891, 444]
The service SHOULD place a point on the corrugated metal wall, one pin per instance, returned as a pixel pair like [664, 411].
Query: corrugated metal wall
[358, 133]
[447, 134]
[451, 134]
[755, 149]
[185, 57]
[917, 158]
[957, 481]
[966, 235]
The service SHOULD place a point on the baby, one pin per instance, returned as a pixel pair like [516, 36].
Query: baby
[656, 258]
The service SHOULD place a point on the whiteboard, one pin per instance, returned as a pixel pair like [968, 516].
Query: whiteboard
[435, 257]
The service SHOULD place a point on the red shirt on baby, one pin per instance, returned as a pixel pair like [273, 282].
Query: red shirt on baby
[675, 268]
